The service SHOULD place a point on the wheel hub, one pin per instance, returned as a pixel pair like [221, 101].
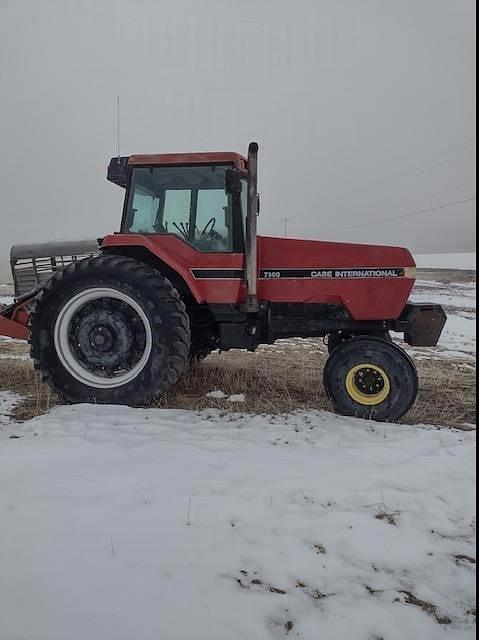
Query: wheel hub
[368, 384]
[103, 337]
[369, 381]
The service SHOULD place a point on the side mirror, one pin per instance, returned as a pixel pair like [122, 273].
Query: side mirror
[233, 184]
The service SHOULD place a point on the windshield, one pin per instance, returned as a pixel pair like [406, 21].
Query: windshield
[189, 202]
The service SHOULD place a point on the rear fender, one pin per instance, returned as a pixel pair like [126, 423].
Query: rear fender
[143, 249]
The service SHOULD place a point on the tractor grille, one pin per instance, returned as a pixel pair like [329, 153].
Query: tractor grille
[34, 265]
[29, 273]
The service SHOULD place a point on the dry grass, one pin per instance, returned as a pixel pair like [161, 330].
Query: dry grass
[20, 377]
[13, 348]
[427, 607]
[446, 276]
[274, 380]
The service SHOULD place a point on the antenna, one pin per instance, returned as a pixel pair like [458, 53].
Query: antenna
[118, 126]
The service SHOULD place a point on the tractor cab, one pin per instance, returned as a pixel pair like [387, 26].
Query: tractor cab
[200, 198]
[207, 200]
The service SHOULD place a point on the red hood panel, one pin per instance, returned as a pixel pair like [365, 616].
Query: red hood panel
[288, 253]
[376, 296]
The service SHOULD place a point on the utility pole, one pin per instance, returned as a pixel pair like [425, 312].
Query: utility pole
[285, 220]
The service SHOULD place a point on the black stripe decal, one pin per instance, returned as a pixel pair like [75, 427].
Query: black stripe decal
[330, 274]
[312, 274]
[218, 274]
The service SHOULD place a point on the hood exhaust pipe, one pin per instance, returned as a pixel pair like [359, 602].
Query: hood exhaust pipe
[251, 229]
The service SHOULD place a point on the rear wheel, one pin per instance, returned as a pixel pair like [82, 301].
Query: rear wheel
[369, 377]
[110, 330]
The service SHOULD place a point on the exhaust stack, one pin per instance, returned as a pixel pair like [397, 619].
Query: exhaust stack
[251, 229]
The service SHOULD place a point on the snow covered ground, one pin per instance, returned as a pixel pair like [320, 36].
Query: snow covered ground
[458, 340]
[6, 292]
[166, 524]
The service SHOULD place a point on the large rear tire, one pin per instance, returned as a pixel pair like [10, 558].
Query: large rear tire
[371, 378]
[110, 330]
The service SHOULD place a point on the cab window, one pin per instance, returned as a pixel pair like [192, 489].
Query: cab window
[189, 202]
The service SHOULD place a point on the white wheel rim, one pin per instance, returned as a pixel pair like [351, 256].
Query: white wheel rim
[69, 360]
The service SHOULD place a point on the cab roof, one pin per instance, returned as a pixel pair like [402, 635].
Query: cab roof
[118, 167]
[215, 157]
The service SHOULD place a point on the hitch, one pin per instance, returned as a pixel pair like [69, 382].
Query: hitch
[14, 317]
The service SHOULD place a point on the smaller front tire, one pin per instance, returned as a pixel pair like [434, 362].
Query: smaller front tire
[371, 378]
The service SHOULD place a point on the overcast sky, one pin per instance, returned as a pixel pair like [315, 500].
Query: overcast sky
[363, 109]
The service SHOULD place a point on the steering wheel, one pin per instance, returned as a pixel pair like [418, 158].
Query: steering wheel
[208, 228]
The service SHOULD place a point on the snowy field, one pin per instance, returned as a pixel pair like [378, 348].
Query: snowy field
[121, 523]
[458, 340]
[6, 292]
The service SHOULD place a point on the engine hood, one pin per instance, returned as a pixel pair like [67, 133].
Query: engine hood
[286, 253]
[371, 282]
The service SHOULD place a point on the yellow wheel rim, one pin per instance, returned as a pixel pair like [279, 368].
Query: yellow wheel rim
[368, 384]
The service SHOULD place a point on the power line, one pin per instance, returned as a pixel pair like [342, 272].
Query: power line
[413, 170]
[406, 215]
[428, 164]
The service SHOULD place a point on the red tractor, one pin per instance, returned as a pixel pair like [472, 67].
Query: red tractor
[118, 320]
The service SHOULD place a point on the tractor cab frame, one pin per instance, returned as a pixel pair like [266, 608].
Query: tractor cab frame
[163, 186]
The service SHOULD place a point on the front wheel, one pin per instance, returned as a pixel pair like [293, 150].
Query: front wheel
[371, 378]
[110, 330]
